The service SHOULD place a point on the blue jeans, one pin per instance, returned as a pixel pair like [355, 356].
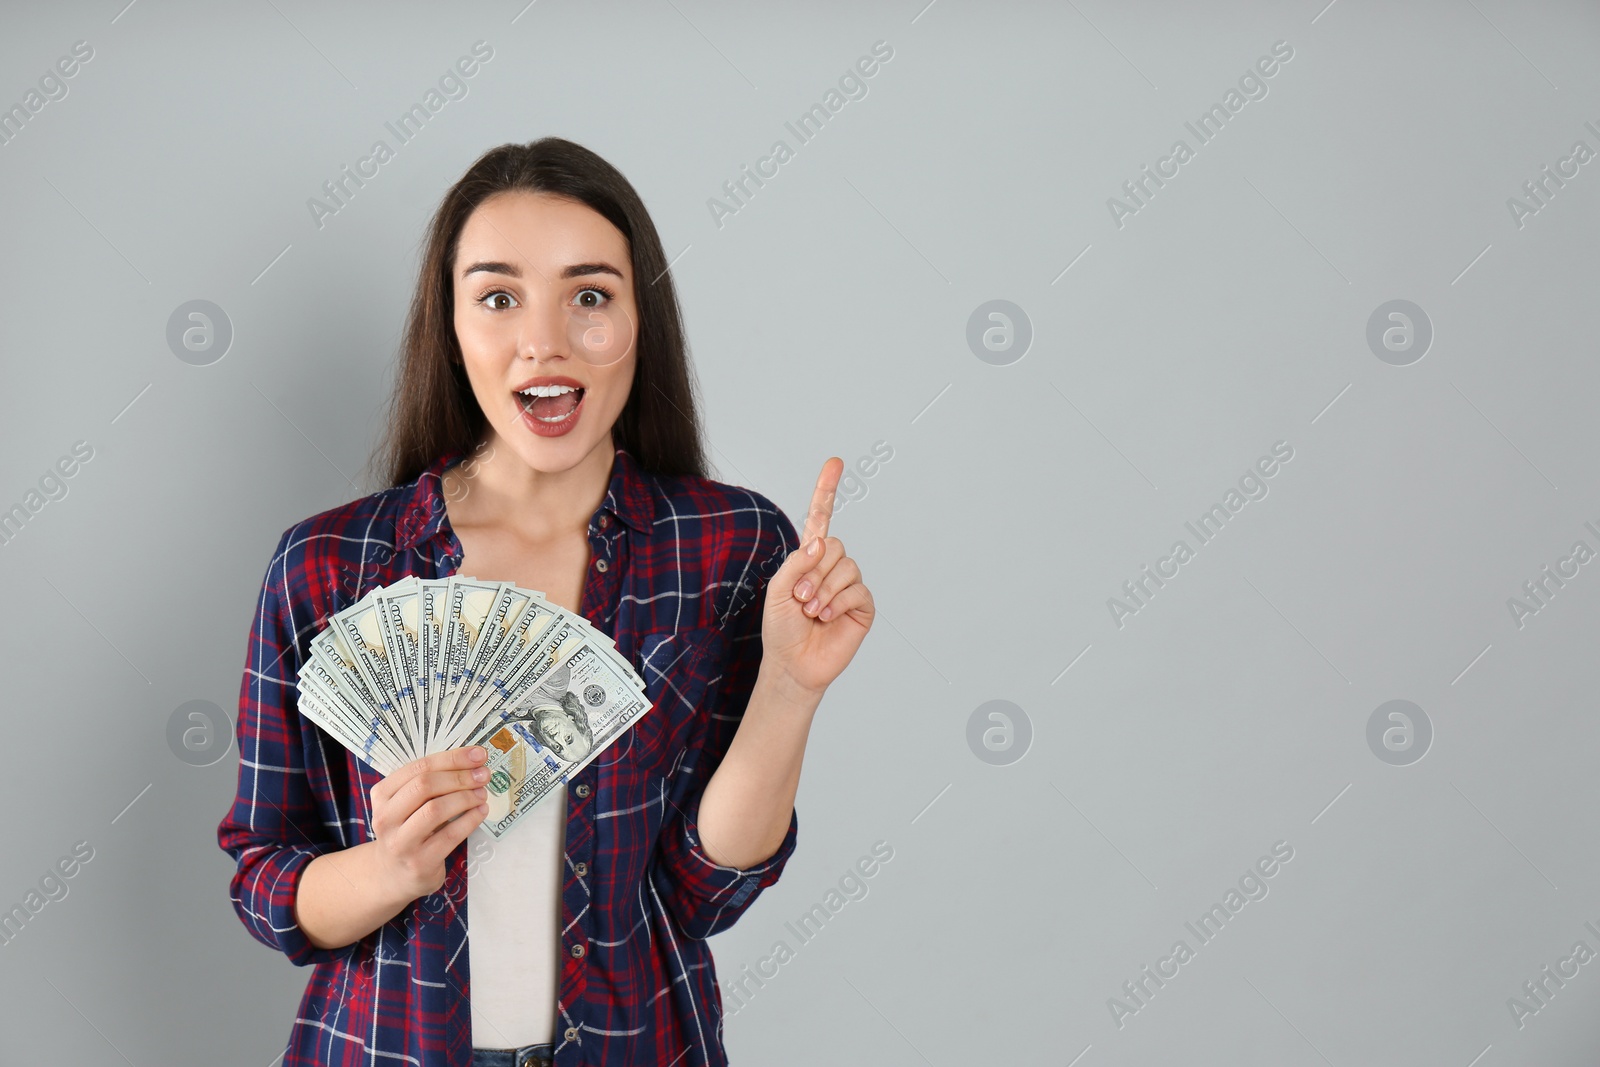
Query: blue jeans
[526, 1056]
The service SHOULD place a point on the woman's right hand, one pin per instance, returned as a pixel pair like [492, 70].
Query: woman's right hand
[422, 811]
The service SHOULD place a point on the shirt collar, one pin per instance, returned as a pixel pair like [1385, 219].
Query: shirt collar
[422, 509]
[629, 497]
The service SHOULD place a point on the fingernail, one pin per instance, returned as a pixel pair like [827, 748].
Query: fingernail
[475, 753]
[810, 608]
[480, 773]
[827, 613]
[811, 549]
[802, 589]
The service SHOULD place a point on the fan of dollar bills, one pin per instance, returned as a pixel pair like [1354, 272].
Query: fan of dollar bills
[425, 665]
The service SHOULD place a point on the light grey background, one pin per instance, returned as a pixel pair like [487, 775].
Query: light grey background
[831, 312]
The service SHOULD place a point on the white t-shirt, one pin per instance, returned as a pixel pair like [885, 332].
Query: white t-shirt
[513, 927]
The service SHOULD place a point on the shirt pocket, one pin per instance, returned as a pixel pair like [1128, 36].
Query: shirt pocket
[677, 667]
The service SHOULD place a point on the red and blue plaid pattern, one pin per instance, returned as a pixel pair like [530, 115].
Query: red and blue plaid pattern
[686, 561]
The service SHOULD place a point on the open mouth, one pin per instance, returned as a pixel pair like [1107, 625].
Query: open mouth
[550, 404]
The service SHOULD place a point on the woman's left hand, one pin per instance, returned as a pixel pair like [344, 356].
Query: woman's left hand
[817, 609]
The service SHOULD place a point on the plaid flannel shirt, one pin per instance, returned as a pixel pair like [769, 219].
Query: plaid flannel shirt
[677, 578]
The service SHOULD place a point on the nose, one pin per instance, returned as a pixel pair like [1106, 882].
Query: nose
[542, 332]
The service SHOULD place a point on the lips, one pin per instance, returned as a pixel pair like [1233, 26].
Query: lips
[550, 404]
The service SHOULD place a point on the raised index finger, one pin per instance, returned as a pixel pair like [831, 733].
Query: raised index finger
[822, 501]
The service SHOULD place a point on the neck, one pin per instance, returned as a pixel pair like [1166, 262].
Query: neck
[496, 487]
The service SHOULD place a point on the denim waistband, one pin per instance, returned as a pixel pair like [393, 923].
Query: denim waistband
[526, 1056]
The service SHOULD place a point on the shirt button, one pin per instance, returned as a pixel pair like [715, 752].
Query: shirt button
[580, 869]
[577, 952]
[582, 790]
[572, 1033]
[600, 565]
[605, 520]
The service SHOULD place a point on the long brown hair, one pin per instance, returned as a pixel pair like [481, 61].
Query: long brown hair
[433, 410]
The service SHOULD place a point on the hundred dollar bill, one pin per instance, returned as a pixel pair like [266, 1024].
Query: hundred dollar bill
[509, 603]
[346, 691]
[558, 642]
[431, 617]
[360, 628]
[467, 604]
[325, 709]
[398, 622]
[368, 733]
[312, 707]
[552, 731]
[603, 644]
[333, 654]
[533, 624]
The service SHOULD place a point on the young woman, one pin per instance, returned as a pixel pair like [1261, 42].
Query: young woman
[543, 431]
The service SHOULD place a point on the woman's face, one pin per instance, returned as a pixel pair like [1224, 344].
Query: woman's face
[544, 297]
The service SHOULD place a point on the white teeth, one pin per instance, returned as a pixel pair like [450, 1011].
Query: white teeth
[546, 390]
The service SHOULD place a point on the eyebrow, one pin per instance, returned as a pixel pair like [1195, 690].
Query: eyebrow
[511, 270]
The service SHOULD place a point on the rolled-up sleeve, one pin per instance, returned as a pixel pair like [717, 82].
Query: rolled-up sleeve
[273, 829]
[706, 897]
